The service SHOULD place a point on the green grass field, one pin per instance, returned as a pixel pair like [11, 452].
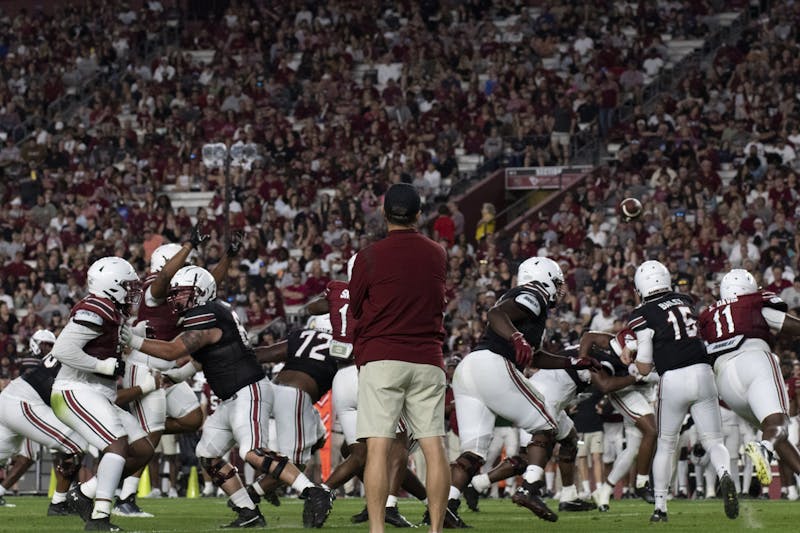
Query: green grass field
[496, 516]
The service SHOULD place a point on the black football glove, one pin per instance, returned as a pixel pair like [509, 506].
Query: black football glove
[198, 237]
[237, 239]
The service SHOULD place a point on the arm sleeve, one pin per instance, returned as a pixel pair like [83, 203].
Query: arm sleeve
[644, 339]
[773, 317]
[69, 347]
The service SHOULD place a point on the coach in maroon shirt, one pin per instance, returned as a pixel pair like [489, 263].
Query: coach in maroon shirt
[397, 294]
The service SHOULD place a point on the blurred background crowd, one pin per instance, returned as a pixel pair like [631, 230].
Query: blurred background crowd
[105, 107]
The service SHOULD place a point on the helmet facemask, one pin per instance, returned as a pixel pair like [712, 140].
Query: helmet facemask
[183, 298]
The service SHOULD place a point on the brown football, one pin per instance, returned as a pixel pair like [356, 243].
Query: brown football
[630, 209]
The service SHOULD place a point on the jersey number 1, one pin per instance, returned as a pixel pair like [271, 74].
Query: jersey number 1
[686, 325]
[343, 315]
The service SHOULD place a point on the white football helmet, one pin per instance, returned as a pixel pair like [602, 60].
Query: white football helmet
[652, 278]
[190, 287]
[162, 254]
[547, 273]
[115, 279]
[737, 282]
[42, 336]
[350, 263]
[321, 323]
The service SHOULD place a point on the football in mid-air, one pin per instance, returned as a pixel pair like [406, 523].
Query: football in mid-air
[630, 209]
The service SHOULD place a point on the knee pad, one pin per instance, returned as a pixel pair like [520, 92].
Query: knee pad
[544, 439]
[68, 464]
[518, 463]
[567, 450]
[271, 457]
[469, 463]
[214, 465]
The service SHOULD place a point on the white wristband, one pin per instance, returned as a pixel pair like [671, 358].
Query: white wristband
[148, 385]
[106, 366]
[136, 342]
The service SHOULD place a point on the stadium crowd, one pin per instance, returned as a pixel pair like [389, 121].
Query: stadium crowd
[442, 82]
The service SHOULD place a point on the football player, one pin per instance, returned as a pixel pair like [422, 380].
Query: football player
[489, 382]
[666, 334]
[174, 409]
[85, 389]
[26, 414]
[216, 342]
[737, 333]
[637, 413]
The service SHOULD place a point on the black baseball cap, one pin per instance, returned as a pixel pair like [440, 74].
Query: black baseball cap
[401, 203]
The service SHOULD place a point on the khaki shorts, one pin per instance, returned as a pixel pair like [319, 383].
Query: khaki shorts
[590, 443]
[389, 389]
[560, 138]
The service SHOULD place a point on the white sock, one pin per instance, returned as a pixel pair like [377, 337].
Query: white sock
[240, 498]
[301, 483]
[661, 500]
[792, 492]
[585, 485]
[454, 493]
[391, 501]
[59, 497]
[533, 473]
[481, 482]
[108, 473]
[208, 486]
[257, 487]
[102, 508]
[2, 490]
[425, 501]
[129, 486]
[89, 488]
[550, 480]
[641, 480]
[569, 493]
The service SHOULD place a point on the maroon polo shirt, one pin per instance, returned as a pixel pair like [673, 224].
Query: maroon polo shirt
[397, 294]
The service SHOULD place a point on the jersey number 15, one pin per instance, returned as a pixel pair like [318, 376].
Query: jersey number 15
[683, 323]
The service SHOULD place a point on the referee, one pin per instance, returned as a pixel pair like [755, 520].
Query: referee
[397, 294]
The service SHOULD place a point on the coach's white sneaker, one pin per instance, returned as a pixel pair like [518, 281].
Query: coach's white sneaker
[602, 496]
[172, 493]
[155, 493]
[761, 458]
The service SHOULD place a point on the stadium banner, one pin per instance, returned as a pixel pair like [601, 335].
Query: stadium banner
[533, 178]
[324, 408]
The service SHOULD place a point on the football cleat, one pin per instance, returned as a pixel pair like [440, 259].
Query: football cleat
[4, 503]
[646, 493]
[471, 496]
[576, 505]
[761, 458]
[659, 516]
[727, 490]
[602, 497]
[128, 507]
[247, 518]
[317, 506]
[100, 524]
[394, 518]
[59, 509]
[361, 517]
[451, 518]
[80, 503]
[528, 496]
[682, 495]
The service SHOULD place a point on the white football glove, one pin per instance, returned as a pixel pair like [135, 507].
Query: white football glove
[633, 370]
[128, 338]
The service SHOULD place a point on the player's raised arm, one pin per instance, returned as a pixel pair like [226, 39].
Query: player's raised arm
[221, 270]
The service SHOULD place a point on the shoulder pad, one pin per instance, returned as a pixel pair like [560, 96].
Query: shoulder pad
[88, 317]
[637, 323]
[529, 301]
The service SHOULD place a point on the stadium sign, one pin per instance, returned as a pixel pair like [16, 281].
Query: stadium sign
[529, 178]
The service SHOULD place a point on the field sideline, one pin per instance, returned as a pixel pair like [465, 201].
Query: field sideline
[496, 516]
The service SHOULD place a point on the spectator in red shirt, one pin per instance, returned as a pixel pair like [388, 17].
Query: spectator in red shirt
[295, 293]
[397, 294]
[443, 226]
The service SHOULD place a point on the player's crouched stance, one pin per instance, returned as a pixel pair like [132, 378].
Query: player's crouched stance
[217, 343]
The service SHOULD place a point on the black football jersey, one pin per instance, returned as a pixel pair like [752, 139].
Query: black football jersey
[41, 377]
[230, 364]
[308, 353]
[534, 301]
[676, 342]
